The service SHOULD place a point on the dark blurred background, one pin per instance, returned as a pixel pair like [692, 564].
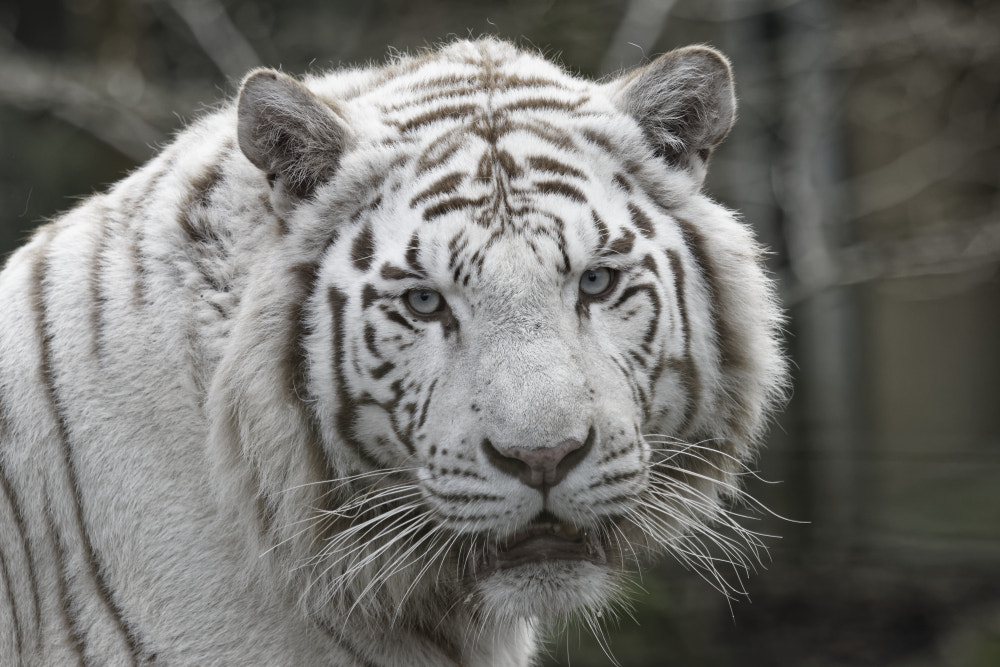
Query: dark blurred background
[867, 156]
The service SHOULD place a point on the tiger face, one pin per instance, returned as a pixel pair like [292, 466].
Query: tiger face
[521, 341]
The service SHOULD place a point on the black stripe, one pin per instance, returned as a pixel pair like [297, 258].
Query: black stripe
[641, 221]
[621, 245]
[543, 104]
[98, 301]
[444, 185]
[600, 139]
[62, 581]
[623, 182]
[685, 367]
[347, 405]
[381, 371]
[12, 605]
[449, 112]
[439, 152]
[548, 164]
[140, 279]
[7, 491]
[393, 316]
[363, 249]
[603, 234]
[49, 382]
[655, 304]
[391, 272]
[560, 188]
[453, 204]
[413, 254]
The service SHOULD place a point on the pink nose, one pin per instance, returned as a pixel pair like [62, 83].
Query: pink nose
[539, 467]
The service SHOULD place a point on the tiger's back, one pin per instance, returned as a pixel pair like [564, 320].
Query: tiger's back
[230, 433]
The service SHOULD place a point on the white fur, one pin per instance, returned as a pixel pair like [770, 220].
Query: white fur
[176, 480]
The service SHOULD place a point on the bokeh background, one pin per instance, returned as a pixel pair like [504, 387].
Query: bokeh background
[867, 156]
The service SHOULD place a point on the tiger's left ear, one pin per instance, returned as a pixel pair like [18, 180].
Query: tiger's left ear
[684, 102]
[288, 132]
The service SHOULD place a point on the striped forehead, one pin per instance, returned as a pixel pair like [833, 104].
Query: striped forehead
[485, 137]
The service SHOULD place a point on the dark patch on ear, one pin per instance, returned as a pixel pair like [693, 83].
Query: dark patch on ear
[288, 132]
[684, 102]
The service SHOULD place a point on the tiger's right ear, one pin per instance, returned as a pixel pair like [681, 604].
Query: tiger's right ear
[288, 132]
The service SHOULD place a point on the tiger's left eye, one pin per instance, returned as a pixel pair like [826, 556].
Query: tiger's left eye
[424, 301]
[597, 281]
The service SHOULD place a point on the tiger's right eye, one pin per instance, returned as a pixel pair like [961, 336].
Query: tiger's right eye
[424, 302]
[598, 281]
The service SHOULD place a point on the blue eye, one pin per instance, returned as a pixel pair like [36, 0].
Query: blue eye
[597, 281]
[424, 301]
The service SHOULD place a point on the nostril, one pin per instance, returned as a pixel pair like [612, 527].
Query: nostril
[539, 467]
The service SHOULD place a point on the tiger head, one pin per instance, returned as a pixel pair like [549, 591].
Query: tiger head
[524, 349]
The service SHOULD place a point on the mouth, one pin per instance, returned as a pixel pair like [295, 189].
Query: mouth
[546, 539]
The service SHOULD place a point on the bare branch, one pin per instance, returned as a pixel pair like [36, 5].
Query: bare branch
[636, 34]
[79, 95]
[218, 36]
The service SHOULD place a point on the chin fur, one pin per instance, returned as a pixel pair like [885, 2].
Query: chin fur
[548, 591]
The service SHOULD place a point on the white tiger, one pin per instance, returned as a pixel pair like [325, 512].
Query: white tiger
[386, 366]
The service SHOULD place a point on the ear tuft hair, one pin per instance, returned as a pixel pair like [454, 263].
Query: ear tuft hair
[684, 102]
[288, 132]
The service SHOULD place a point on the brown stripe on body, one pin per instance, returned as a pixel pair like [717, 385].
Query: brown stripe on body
[730, 355]
[685, 366]
[295, 374]
[62, 581]
[304, 277]
[47, 372]
[136, 214]
[11, 604]
[8, 494]
[95, 281]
